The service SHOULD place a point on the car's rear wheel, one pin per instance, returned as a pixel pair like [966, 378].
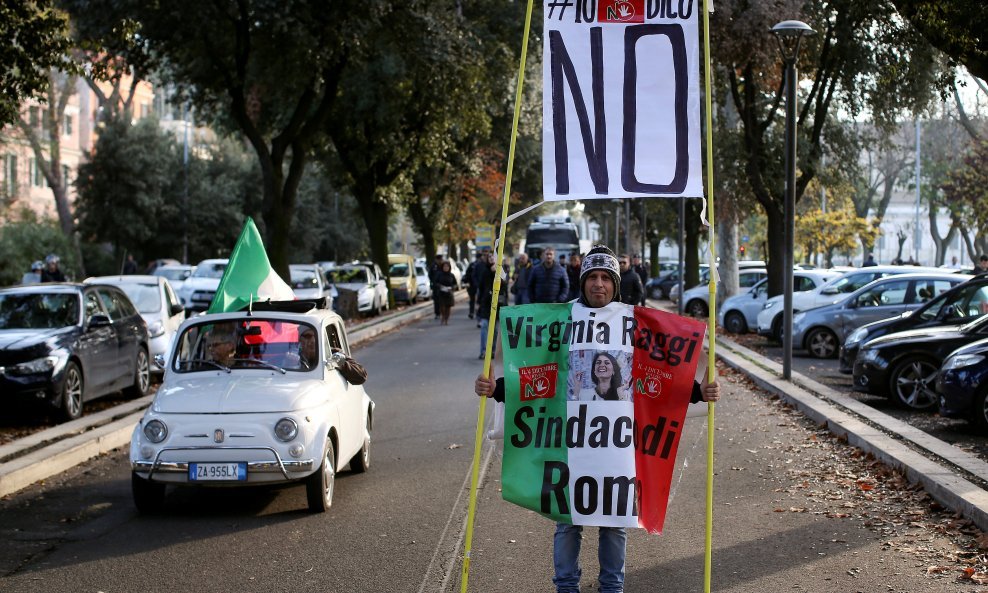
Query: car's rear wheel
[735, 323]
[149, 497]
[696, 308]
[913, 383]
[361, 461]
[142, 376]
[319, 485]
[71, 396]
[822, 343]
[655, 293]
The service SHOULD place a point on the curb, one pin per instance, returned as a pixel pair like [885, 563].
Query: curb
[108, 430]
[849, 419]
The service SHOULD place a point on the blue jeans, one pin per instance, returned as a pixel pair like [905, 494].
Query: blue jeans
[610, 555]
[484, 322]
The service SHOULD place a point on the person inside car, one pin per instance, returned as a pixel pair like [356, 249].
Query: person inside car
[221, 344]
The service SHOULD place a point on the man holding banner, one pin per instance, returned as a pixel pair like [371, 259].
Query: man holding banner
[607, 461]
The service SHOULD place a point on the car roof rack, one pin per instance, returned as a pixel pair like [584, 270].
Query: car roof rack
[295, 306]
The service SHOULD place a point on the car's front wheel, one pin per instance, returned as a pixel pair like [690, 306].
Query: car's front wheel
[149, 497]
[822, 343]
[361, 461]
[71, 397]
[696, 308]
[319, 485]
[979, 411]
[735, 323]
[913, 383]
[142, 376]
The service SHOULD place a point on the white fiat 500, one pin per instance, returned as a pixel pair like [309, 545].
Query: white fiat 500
[251, 399]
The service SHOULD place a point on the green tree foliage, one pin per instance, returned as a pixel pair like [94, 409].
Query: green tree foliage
[957, 28]
[25, 238]
[413, 91]
[34, 39]
[863, 58]
[122, 187]
[268, 69]
[968, 186]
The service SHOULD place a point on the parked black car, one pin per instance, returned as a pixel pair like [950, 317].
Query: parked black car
[959, 305]
[963, 384]
[904, 365]
[66, 344]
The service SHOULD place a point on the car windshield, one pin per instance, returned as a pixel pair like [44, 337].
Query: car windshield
[209, 271]
[420, 271]
[177, 274]
[350, 275]
[146, 297]
[254, 343]
[399, 270]
[38, 310]
[304, 278]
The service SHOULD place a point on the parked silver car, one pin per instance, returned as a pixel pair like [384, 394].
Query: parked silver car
[697, 299]
[739, 313]
[821, 331]
[158, 305]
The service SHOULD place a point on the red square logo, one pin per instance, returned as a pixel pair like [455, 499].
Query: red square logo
[538, 382]
[620, 11]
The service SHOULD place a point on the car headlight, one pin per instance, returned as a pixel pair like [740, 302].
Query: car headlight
[156, 329]
[855, 337]
[868, 354]
[34, 367]
[962, 360]
[155, 431]
[286, 429]
[770, 305]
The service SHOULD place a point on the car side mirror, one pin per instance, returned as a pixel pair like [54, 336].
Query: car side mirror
[176, 309]
[829, 290]
[159, 359]
[99, 320]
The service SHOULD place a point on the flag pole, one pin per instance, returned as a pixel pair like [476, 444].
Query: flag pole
[492, 315]
[712, 309]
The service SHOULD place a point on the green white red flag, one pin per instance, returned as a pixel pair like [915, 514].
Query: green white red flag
[249, 276]
[594, 405]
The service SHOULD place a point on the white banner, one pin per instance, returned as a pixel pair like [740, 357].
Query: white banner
[621, 99]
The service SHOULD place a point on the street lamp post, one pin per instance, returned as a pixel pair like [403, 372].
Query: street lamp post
[789, 35]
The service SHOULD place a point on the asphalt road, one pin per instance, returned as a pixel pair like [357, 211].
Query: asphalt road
[792, 510]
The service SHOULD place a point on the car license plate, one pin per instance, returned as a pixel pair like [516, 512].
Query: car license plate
[207, 472]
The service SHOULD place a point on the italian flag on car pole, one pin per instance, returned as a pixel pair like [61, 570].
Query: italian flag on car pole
[594, 405]
[249, 276]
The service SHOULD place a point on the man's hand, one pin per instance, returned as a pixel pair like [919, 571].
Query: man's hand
[484, 386]
[711, 391]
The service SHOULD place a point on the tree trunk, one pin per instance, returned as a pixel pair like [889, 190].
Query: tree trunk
[425, 228]
[376, 218]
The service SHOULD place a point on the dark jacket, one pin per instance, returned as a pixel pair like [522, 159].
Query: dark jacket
[548, 285]
[442, 289]
[49, 276]
[468, 276]
[573, 274]
[631, 288]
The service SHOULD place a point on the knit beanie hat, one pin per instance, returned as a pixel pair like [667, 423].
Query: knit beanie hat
[600, 258]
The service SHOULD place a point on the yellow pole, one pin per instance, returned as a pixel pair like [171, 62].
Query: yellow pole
[712, 309]
[492, 315]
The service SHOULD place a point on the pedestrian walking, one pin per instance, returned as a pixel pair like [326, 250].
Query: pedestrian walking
[485, 291]
[573, 276]
[434, 270]
[641, 268]
[599, 286]
[130, 266]
[548, 282]
[632, 290]
[870, 261]
[468, 279]
[51, 271]
[444, 285]
[519, 281]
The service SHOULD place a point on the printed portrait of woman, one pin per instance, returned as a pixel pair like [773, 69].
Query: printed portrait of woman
[600, 377]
